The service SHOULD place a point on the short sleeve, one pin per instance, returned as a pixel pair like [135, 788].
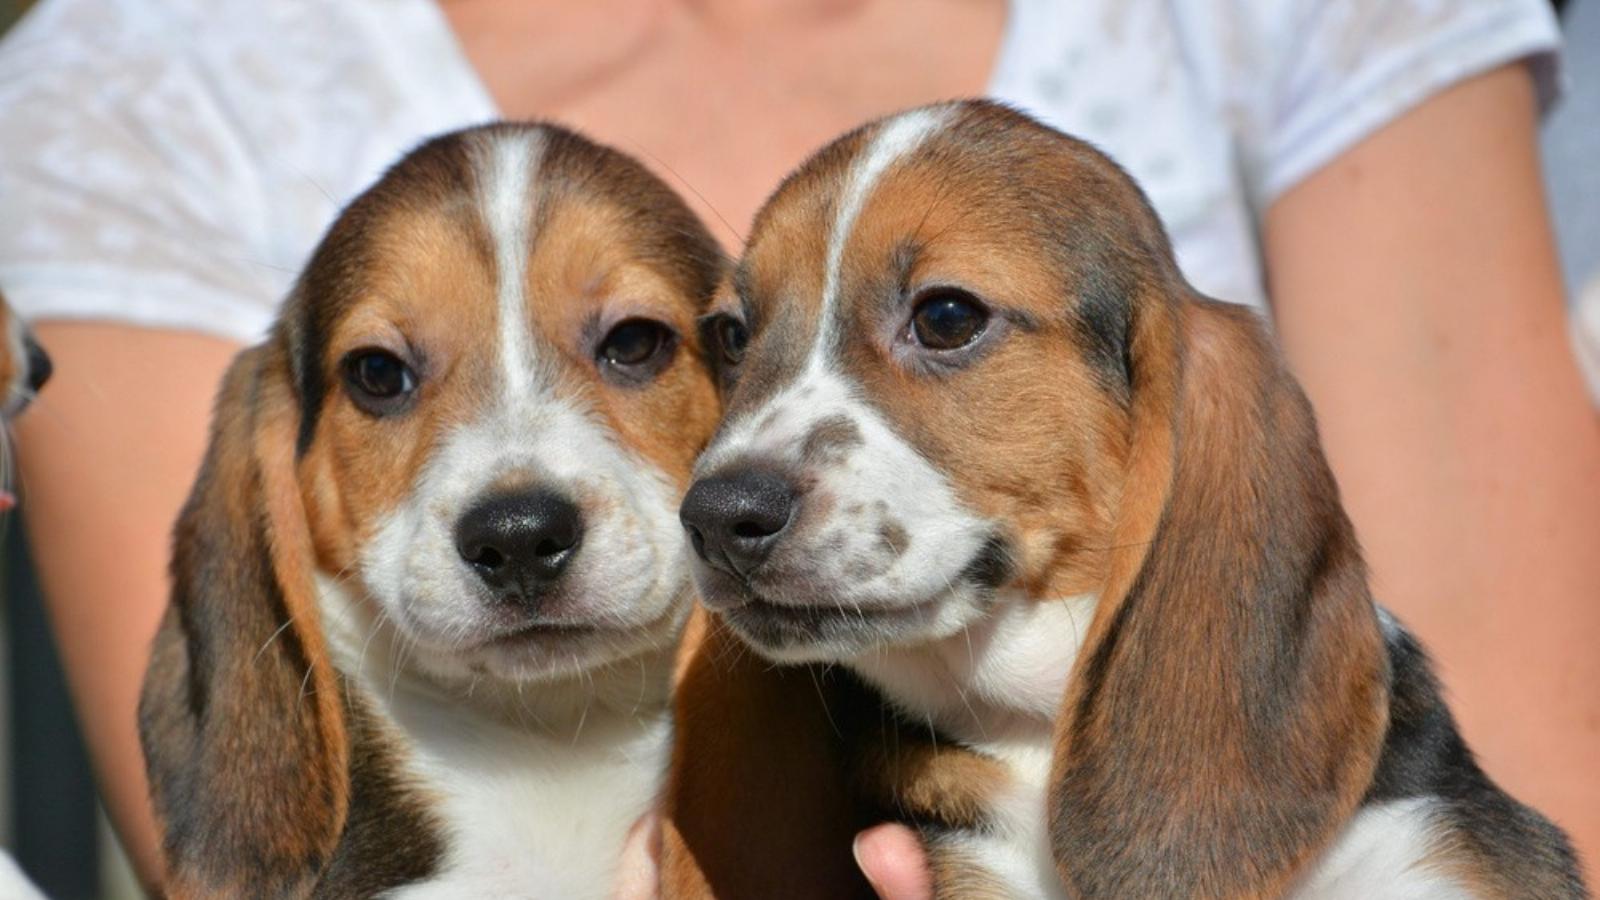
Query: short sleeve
[124, 192]
[1345, 68]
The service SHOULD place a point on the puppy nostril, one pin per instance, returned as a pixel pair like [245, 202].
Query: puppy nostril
[754, 530]
[551, 547]
[488, 557]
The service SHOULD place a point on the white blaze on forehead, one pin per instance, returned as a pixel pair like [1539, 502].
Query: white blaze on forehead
[506, 166]
[896, 139]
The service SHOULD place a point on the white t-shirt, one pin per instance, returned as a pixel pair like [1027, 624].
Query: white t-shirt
[171, 163]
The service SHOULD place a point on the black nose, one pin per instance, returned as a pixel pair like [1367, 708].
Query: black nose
[520, 542]
[734, 520]
[39, 367]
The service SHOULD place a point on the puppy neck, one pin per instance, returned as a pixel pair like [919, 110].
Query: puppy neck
[371, 651]
[1002, 677]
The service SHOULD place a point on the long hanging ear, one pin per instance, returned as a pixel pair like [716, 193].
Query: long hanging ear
[240, 719]
[1228, 708]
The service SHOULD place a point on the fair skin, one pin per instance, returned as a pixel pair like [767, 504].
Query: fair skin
[1413, 283]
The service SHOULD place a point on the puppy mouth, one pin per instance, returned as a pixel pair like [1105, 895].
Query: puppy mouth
[785, 626]
[543, 634]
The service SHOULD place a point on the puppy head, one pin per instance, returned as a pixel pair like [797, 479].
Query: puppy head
[477, 409]
[959, 357]
[934, 396]
[500, 398]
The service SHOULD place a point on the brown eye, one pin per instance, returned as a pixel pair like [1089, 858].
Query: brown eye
[947, 319]
[634, 345]
[379, 382]
[730, 337]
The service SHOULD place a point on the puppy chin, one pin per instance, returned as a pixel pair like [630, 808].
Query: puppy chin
[822, 629]
[570, 641]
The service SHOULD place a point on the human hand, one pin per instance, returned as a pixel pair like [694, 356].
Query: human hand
[639, 871]
[892, 859]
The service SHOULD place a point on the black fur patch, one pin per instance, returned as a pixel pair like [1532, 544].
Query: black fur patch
[1424, 756]
[1104, 320]
[390, 838]
[992, 566]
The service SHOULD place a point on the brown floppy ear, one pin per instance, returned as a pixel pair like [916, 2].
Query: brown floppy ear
[240, 719]
[1228, 708]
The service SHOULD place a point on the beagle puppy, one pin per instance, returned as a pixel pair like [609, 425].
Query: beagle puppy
[1066, 524]
[24, 368]
[430, 580]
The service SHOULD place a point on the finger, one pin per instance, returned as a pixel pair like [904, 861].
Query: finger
[638, 871]
[894, 862]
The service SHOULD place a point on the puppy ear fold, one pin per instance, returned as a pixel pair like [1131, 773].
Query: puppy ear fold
[240, 719]
[1229, 705]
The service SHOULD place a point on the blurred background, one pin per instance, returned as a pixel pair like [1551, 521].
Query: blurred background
[49, 815]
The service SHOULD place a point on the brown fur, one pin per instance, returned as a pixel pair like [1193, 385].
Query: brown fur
[1228, 709]
[241, 719]
[761, 804]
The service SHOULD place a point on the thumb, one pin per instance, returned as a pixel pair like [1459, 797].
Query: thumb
[894, 862]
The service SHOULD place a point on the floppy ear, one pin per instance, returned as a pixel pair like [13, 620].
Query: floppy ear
[240, 719]
[1228, 707]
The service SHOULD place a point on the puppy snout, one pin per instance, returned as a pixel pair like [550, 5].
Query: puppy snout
[519, 543]
[734, 519]
[39, 367]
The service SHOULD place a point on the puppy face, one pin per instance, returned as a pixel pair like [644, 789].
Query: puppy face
[502, 398]
[928, 384]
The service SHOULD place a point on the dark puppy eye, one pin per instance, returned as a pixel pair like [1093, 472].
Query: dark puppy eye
[379, 381]
[948, 318]
[728, 336]
[635, 347]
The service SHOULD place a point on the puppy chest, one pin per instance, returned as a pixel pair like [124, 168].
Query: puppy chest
[531, 816]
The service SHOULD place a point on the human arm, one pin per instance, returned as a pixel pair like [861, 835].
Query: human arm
[1416, 292]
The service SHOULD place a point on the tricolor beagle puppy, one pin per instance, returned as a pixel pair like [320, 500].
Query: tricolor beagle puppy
[430, 579]
[24, 368]
[985, 448]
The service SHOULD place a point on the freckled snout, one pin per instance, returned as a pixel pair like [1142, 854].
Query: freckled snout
[520, 543]
[735, 519]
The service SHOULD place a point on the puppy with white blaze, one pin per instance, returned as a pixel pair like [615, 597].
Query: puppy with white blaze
[430, 581]
[1048, 552]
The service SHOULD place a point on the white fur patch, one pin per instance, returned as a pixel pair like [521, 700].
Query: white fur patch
[507, 165]
[1383, 853]
[629, 574]
[998, 688]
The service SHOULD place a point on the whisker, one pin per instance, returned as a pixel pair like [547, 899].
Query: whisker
[691, 189]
